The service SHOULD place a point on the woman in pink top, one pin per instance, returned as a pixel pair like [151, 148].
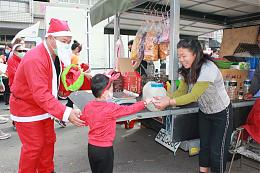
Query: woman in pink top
[100, 115]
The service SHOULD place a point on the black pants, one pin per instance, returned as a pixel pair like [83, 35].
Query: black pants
[101, 159]
[215, 133]
[7, 90]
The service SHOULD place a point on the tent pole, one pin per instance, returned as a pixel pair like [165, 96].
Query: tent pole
[173, 61]
[116, 37]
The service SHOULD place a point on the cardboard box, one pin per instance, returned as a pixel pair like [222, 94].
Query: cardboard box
[239, 75]
[233, 36]
[125, 65]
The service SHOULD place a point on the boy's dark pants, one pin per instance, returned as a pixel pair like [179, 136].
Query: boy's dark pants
[101, 159]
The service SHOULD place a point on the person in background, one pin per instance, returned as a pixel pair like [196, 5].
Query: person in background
[255, 84]
[17, 55]
[2, 119]
[34, 102]
[6, 79]
[100, 115]
[140, 65]
[7, 55]
[76, 47]
[8, 49]
[4, 58]
[202, 82]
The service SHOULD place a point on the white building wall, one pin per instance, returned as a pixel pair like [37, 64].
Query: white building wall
[16, 11]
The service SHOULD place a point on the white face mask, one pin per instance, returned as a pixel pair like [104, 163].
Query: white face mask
[63, 51]
[7, 51]
[20, 55]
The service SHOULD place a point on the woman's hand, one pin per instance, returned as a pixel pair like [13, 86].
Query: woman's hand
[248, 96]
[162, 102]
[2, 87]
[148, 100]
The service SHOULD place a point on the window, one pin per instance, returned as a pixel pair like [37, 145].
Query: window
[84, 2]
[74, 1]
[22, 6]
[63, 0]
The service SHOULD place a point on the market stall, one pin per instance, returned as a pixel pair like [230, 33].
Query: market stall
[186, 18]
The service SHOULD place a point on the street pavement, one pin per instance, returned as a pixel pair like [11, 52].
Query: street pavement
[135, 152]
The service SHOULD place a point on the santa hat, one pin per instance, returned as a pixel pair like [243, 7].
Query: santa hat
[58, 28]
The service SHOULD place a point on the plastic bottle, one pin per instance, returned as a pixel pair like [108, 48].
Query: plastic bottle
[232, 89]
[153, 89]
[240, 93]
[247, 85]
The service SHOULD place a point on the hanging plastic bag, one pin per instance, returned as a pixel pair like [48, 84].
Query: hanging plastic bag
[164, 41]
[165, 37]
[119, 51]
[136, 44]
[150, 47]
[164, 50]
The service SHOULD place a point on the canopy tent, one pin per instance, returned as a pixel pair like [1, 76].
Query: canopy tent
[107, 8]
[187, 17]
[197, 17]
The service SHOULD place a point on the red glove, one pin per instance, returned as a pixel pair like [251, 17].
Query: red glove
[84, 67]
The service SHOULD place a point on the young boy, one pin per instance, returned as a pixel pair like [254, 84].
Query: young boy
[100, 115]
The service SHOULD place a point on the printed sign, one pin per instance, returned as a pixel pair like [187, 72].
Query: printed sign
[166, 140]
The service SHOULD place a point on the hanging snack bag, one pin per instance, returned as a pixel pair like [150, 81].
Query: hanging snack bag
[150, 47]
[136, 44]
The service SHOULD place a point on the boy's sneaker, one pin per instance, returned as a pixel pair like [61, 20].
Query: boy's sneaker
[61, 123]
[3, 120]
[4, 135]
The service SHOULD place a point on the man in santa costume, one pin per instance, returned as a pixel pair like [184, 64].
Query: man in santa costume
[34, 101]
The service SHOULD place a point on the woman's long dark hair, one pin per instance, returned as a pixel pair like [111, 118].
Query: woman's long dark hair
[191, 75]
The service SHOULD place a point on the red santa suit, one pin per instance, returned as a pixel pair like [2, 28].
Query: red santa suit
[12, 63]
[34, 101]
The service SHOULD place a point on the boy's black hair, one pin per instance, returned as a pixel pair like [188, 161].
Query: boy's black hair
[98, 84]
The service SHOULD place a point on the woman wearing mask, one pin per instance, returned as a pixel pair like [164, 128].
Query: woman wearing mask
[202, 82]
[13, 63]
[18, 53]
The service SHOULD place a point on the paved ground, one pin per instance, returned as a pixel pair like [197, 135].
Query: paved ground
[135, 151]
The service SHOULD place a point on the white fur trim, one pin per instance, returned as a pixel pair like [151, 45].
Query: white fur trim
[15, 46]
[66, 114]
[59, 34]
[31, 118]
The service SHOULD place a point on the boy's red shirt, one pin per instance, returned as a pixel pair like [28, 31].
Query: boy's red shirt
[101, 119]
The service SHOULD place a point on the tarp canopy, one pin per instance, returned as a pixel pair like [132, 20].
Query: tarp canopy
[107, 8]
[197, 16]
